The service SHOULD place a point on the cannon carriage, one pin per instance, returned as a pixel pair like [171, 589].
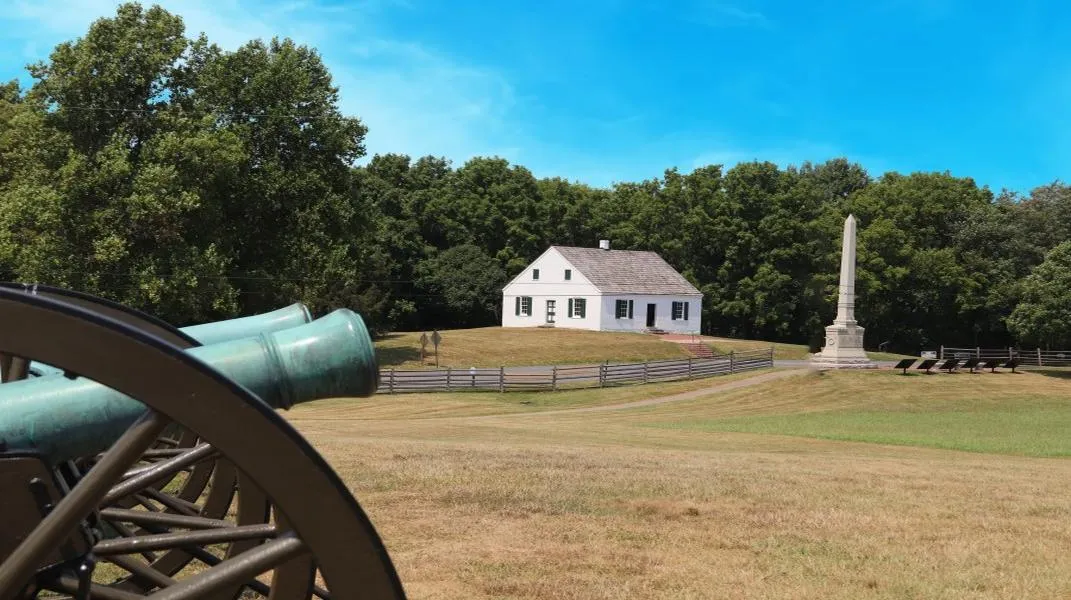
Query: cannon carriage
[141, 460]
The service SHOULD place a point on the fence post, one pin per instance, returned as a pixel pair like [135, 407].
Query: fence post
[771, 355]
[448, 379]
[602, 373]
[978, 352]
[689, 367]
[390, 380]
[645, 371]
[501, 379]
[1010, 353]
[941, 351]
[554, 378]
[731, 361]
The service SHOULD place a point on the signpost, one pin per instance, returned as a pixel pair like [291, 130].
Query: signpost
[435, 339]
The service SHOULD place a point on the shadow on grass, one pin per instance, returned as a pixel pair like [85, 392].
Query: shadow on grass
[390, 357]
[388, 336]
[1058, 373]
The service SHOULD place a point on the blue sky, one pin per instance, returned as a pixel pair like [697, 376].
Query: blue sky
[614, 90]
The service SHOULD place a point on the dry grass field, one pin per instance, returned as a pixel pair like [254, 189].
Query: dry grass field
[496, 346]
[727, 494]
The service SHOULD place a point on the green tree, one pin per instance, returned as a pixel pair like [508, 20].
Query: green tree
[297, 231]
[463, 285]
[187, 181]
[113, 189]
[909, 279]
[1043, 315]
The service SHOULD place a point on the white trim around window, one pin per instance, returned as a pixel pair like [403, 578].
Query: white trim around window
[523, 306]
[577, 308]
[680, 311]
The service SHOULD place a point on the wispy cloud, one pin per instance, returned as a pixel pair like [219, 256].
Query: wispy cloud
[418, 102]
[414, 99]
[718, 13]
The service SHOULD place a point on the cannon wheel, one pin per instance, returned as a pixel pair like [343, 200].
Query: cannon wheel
[120, 312]
[173, 442]
[316, 525]
[14, 368]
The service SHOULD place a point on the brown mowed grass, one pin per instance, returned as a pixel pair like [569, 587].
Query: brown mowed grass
[498, 346]
[603, 506]
[436, 405]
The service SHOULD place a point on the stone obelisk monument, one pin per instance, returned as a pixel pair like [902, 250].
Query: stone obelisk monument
[844, 338]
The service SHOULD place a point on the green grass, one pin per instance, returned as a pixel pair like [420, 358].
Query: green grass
[1025, 424]
[1023, 430]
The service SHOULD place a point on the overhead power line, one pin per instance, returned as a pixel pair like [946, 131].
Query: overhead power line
[201, 113]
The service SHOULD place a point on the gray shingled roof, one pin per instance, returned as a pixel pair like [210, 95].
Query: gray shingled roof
[627, 271]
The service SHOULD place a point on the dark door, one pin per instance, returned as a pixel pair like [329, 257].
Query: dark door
[650, 315]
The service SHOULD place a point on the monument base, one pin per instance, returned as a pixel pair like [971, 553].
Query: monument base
[843, 349]
[819, 362]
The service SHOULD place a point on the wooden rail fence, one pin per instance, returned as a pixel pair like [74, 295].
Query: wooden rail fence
[1036, 357]
[512, 379]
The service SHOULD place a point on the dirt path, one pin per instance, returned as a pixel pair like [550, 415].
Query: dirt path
[724, 387]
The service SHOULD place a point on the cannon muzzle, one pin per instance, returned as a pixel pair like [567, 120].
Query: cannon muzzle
[218, 332]
[66, 418]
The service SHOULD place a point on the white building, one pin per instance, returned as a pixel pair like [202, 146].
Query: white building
[603, 290]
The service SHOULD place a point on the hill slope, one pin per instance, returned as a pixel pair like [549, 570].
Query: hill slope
[497, 346]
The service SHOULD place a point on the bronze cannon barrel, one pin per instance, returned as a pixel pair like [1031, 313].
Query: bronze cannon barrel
[65, 418]
[235, 329]
[227, 330]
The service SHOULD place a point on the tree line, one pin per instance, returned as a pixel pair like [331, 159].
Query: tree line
[197, 184]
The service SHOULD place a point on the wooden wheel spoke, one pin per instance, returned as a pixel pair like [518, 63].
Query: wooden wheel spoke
[146, 503]
[176, 504]
[147, 476]
[237, 570]
[163, 452]
[125, 531]
[141, 570]
[141, 517]
[184, 539]
[76, 506]
[68, 584]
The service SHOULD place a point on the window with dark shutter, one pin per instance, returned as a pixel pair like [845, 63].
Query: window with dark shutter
[686, 310]
[630, 309]
[581, 307]
[621, 309]
[517, 306]
[678, 311]
[570, 311]
[568, 274]
[535, 274]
